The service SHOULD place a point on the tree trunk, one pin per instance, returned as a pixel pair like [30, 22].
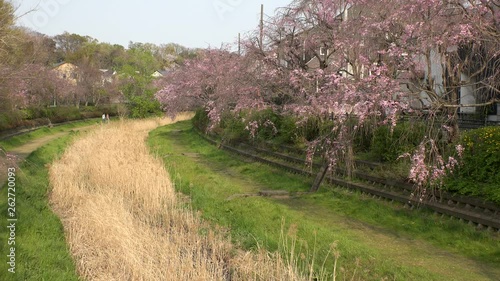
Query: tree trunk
[454, 134]
[319, 177]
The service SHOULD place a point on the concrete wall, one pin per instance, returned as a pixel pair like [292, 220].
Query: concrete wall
[467, 95]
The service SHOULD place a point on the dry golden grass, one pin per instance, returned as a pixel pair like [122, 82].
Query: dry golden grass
[124, 221]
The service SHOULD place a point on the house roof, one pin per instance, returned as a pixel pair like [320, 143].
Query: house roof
[107, 72]
[59, 65]
[161, 73]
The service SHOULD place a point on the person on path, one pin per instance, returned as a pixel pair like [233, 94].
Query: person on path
[103, 118]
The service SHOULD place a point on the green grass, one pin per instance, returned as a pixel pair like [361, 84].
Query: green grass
[19, 140]
[41, 249]
[388, 240]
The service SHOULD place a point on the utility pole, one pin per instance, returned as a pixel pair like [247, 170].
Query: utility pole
[262, 26]
[239, 44]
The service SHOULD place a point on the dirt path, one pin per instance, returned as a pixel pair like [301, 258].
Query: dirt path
[25, 150]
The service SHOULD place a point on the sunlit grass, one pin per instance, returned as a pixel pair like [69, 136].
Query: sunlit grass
[41, 251]
[368, 231]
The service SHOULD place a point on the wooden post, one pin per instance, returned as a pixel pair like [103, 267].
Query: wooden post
[320, 177]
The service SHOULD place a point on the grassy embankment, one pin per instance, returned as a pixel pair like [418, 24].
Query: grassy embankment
[41, 249]
[19, 140]
[375, 239]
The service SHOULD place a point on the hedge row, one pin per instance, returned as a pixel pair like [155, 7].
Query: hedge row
[379, 143]
[33, 117]
[478, 174]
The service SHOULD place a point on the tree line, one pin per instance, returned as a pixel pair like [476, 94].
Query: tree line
[103, 72]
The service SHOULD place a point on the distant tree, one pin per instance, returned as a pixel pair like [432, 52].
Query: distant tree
[11, 62]
[209, 82]
[44, 48]
[68, 45]
[141, 57]
[90, 83]
[138, 90]
[42, 87]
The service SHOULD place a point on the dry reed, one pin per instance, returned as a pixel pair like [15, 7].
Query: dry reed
[123, 220]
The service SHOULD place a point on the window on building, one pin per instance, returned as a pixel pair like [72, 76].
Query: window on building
[323, 51]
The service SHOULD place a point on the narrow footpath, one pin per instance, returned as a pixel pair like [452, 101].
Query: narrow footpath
[22, 152]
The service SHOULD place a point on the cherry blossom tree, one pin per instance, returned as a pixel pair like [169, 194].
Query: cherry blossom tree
[447, 55]
[379, 45]
[217, 80]
[356, 63]
[42, 87]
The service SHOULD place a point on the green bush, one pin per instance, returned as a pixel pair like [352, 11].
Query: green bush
[200, 119]
[268, 121]
[271, 127]
[364, 137]
[41, 116]
[10, 120]
[309, 129]
[287, 131]
[232, 128]
[387, 146]
[54, 114]
[479, 172]
[144, 106]
[481, 157]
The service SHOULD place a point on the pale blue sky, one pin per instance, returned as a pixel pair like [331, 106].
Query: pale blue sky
[192, 23]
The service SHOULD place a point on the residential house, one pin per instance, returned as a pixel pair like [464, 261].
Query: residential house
[467, 92]
[107, 75]
[164, 72]
[67, 71]
[159, 73]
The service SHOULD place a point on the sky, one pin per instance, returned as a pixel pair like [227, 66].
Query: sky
[191, 23]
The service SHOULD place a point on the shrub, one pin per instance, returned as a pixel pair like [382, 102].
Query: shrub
[10, 120]
[287, 131]
[144, 106]
[268, 121]
[232, 128]
[309, 129]
[387, 146]
[479, 173]
[41, 116]
[364, 137]
[481, 159]
[264, 126]
[201, 120]
[54, 114]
